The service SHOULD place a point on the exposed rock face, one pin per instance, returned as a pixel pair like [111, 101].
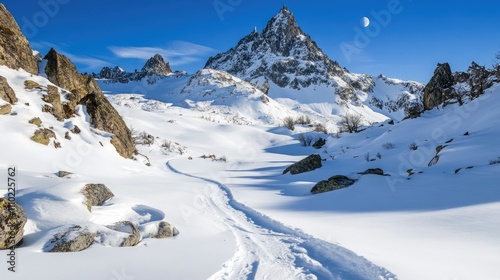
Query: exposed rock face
[35, 121]
[319, 143]
[308, 164]
[373, 171]
[54, 98]
[127, 227]
[154, 70]
[96, 195]
[157, 65]
[62, 173]
[12, 221]
[284, 55]
[438, 87]
[6, 92]
[333, 183]
[5, 109]
[74, 239]
[165, 230]
[84, 90]
[43, 136]
[15, 51]
[104, 116]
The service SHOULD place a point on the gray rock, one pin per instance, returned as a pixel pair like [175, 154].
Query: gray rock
[305, 165]
[433, 161]
[374, 171]
[127, 227]
[333, 183]
[12, 222]
[61, 173]
[5, 109]
[74, 239]
[15, 51]
[438, 87]
[319, 143]
[165, 230]
[6, 92]
[96, 195]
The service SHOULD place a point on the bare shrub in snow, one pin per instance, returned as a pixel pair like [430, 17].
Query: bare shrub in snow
[305, 140]
[389, 146]
[319, 127]
[289, 123]
[303, 120]
[495, 161]
[379, 156]
[413, 146]
[350, 122]
[367, 157]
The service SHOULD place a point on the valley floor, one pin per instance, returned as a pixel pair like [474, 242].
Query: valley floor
[240, 218]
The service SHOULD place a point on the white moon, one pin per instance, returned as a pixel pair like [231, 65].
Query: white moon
[365, 21]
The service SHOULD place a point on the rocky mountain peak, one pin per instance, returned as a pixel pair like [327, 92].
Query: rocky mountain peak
[157, 65]
[285, 56]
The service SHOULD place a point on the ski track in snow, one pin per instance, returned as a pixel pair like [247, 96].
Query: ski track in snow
[267, 249]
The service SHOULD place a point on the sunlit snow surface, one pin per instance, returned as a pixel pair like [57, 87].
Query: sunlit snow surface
[241, 218]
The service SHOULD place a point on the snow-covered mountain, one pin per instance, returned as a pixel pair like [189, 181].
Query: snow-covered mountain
[154, 70]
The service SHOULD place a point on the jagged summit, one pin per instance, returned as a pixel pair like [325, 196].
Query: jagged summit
[284, 55]
[153, 70]
[157, 65]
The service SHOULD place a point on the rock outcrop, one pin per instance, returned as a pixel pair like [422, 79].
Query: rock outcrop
[157, 65]
[43, 135]
[333, 183]
[96, 195]
[53, 97]
[165, 230]
[305, 165]
[5, 109]
[15, 51]
[12, 221]
[6, 92]
[104, 117]
[373, 171]
[74, 239]
[84, 90]
[127, 227]
[153, 70]
[438, 87]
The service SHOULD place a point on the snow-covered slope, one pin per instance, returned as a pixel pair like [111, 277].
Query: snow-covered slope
[214, 227]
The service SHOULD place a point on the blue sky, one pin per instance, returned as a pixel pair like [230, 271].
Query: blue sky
[418, 35]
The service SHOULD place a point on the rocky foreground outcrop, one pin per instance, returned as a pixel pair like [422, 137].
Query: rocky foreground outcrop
[438, 87]
[12, 221]
[6, 92]
[305, 165]
[84, 90]
[15, 51]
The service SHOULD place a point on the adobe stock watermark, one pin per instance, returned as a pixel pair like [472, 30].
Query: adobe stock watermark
[223, 6]
[48, 9]
[363, 37]
[12, 224]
